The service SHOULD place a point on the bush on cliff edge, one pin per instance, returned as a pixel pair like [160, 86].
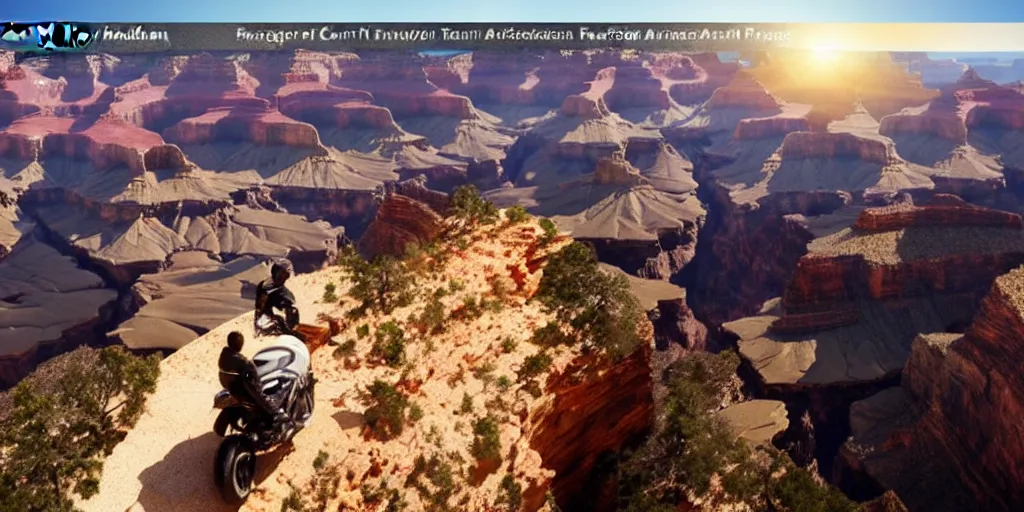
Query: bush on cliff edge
[382, 284]
[54, 440]
[598, 308]
[691, 444]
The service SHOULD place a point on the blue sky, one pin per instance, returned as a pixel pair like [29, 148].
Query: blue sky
[515, 10]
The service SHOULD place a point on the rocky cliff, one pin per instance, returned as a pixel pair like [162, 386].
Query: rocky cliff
[844, 326]
[400, 221]
[952, 408]
[453, 388]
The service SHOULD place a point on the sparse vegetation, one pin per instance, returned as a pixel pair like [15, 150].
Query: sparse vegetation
[382, 493]
[346, 349]
[382, 284]
[57, 433]
[692, 444]
[386, 407]
[432, 318]
[389, 344]
[415, 413]
[439, 475]
[322, 488]
[363, 331]
[466, 204]
[596, 308]
[508, 345]
[516, 214]
[504, 383]
[484, 373]
[466, 407]
[455, 286]
[486, 443]
[549, 231]
[534, 366]
[329, 293]
[510, 495]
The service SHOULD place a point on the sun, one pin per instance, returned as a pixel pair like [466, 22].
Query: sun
[824, 53]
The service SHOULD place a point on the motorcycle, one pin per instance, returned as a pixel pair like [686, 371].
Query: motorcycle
[288, 382]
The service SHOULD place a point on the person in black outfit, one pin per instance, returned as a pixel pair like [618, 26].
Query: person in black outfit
[239, 376]
[272, 294]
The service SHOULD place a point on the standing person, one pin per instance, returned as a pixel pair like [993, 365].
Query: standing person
[271, 295]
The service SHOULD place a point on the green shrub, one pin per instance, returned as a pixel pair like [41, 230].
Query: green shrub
[508, 345]
[468, 205]
[441, 478]
[456, 286]
[549, 231]
[486, 443]
[415, 413]
[329, 293]
[534, 366]
[466, 407]
[57, 432]
[382, 284]
[504, 383]
[510, 494]
[389, 344]
[433, 317]
[363, 331]
[346, 349]
[516, 214]
[692, 443]
[598, 308]
[484, 373]
[385, 411]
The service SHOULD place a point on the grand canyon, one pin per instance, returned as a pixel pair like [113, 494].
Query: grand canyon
[850, 227]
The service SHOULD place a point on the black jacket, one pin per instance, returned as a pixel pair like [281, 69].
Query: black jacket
[240, 377]
[270, 297]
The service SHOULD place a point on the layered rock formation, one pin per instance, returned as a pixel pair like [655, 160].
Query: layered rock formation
[192, 296]
[48, 305]
[896, 272]
[401, 221]
[954, 412]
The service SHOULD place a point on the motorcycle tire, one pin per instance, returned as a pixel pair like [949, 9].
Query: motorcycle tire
[235, 469]
[225, 419]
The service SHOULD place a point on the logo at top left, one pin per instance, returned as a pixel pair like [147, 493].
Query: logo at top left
[47, 36]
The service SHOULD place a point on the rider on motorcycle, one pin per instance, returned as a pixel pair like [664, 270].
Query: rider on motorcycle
[272, 294]
[239, 376]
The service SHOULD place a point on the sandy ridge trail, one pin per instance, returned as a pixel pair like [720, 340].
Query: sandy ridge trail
[166, 462]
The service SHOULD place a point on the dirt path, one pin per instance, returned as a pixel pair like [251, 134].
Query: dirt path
[166, 462]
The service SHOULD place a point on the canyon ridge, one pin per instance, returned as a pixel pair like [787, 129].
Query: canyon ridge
[850, 229]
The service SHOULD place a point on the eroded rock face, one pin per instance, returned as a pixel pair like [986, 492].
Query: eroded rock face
[954, 416]
[978, 398]
[571, 445]
[400, 221]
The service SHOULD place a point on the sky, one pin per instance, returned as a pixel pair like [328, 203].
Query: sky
[624, 11]
[852, 25]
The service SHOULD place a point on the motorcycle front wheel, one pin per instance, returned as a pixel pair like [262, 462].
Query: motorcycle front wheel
[235, 469]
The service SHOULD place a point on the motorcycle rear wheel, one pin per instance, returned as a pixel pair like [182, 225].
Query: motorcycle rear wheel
[235, 469]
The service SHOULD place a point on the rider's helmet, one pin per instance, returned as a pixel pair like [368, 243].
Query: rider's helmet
[281, 270]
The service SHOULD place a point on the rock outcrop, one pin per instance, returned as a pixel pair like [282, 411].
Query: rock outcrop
[958, 402]
[924, 273]
[401, 221]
